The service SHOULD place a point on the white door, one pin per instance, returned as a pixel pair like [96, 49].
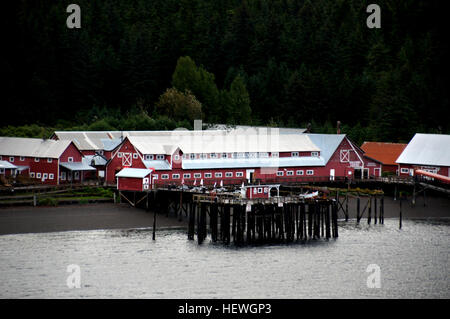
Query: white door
[249, 173]
[378, 172]
[332, 174]
[127, 159]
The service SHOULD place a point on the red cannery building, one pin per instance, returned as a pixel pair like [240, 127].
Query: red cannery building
[229, 158]
[49, 161]
[134, 179]
[426, 152]
[386, 153]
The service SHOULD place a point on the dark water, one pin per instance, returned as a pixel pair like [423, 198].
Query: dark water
[414, 263]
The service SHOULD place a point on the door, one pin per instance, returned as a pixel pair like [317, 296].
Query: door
[332, 174]
[127, 159]
[249, 175]
[378, 172]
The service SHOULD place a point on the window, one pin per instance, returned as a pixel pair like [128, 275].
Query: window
[175, 176]
[260, 190]
[229, 174]
[185, 156]
[240, 155]
[32, 174]
[213, 155]
[119, 155]
[218, 175]
[295, 154]
[203, 156]
[2, 170]
[404, 170]
[148, 157]
[275, 154]
[51, 176]
[159, 157]
[280, 173]
[224, 155]
[208, 175]
[1, 158]
[186, 175]
[239, 174]
[192, 156]
[290, 173]
[135, 155]
[38, 175]
[36, 159]
[49, 160]
[263, 155]
[315, 154]
[165, 176]
[234, 155]
[198, 175]
[300, 172]
[345, 156]
[63, 176]
[11, 159]
[176, 157]
[22, 158]
[70, 159]
[253, 155]
[100, 152]
[45, 176]
[155, 176]
[310, 172]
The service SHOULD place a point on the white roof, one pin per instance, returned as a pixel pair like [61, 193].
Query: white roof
[328, 143]
[77, 166]
[32, 147]
[427, 149]
[7, 165]
[134, 172]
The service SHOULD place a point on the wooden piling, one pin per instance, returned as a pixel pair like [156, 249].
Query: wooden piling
[369, 214]
[358, 207]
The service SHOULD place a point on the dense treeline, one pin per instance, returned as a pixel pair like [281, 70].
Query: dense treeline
[278, 62]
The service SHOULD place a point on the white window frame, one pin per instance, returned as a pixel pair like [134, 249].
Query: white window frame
[241, 155]
[45, 176]
[239, 174]
[135, 155]
[253, 155]
[176, 157]
[294, 154]
[260, 190]
[203, 156]
[229, 174]
[165, 176]
[22, 158]
[218, 175]
[275, 154]
[404, 170]
[119, 155]
[187, 175]
[32, 175]
[314, 154]
[263, 155]
[280, 173]
[290, 173]
[224, 155]
[11, 159]
[155, 176]
[310, 172]
[149, 157]
[300, 172]
[207, 175]
[63, 176]
[192, 156]
[38, 175]
[185, 156]
[70, 159]
[175, 176]
[36, 159]
[197, 175]
[49, 160]
[51, 176]
[76, 175]
[159, 157]
[2, 170]
[213, 155]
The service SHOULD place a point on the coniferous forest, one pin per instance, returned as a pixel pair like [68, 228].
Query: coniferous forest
[159, 64]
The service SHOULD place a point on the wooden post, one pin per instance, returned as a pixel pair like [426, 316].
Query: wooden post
[327, 221]
[369, 216]
[358, 207]
[346, 206]
[375, 210]
[191, 227]
[400, 219]
[382, 210]
[414, 195]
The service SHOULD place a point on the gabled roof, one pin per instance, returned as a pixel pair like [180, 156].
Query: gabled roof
[32, 147]
[134, 172]
[7, 165]
[386, 153]
[147, 145]
[327, 143]
[427, 149]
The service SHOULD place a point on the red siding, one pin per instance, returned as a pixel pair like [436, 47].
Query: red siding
[130, 184]
[116, 164]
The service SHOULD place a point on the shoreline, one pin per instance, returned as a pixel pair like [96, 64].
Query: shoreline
[107, 216]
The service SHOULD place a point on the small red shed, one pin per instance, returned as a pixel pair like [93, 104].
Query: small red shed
[259, 191]
[134, 179]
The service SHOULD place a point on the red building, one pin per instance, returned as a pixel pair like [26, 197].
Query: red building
[51, 162]
[134, 179]
[426, 152]
[230, 158]
[385, 153]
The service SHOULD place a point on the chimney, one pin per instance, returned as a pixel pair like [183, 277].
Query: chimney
[308, 128]
[338, 127]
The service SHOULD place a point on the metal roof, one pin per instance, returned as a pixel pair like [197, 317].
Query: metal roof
[427, 149]
[327, 143]
[96, 160]
[7, 165]
[134, 172]
[157, 165]
[252, 162]
[385, 153]
[227, 127]
[77, 166]
[32, 147]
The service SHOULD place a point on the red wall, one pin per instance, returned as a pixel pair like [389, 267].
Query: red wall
[130, 184]
[116, 163]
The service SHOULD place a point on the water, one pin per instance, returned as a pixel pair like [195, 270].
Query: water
[414, 263]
